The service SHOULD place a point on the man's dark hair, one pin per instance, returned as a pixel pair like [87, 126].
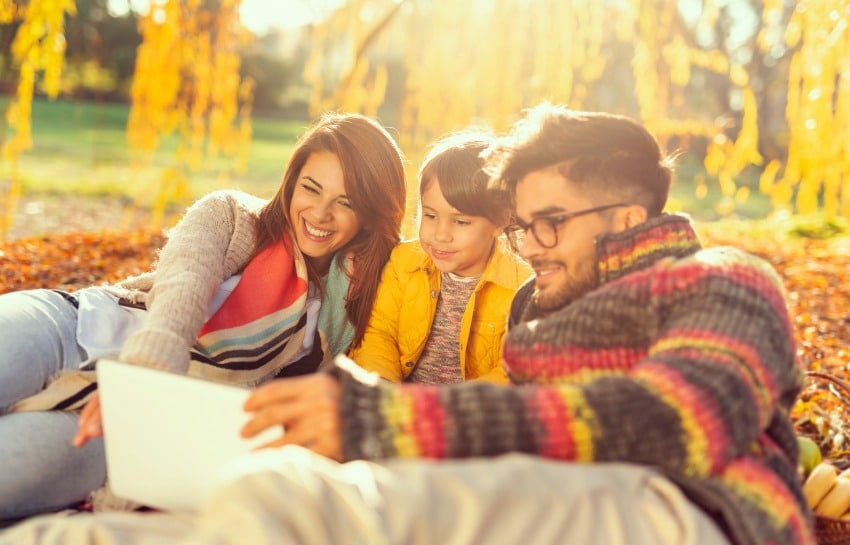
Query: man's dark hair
[610, 156]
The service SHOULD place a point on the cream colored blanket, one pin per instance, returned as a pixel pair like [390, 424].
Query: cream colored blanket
[292, 496]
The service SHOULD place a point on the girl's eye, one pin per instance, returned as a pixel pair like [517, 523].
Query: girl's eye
[429, 216]
[346, 204]
[463, 222]
[310, 188]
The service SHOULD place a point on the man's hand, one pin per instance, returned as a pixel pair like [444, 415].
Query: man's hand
[90, 424]
[306, 407]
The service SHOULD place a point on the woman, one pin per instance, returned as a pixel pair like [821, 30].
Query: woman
[243, 291]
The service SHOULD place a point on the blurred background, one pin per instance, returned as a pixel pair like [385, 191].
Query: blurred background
[126, 111]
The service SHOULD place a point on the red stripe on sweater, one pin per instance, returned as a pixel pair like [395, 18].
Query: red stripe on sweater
[549, 406]
[430, 432]
[743, 274]
[747, 357]
[703, 407]
[551, 361]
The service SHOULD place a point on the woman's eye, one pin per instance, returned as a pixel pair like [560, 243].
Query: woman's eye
[346, 204]
[463, 222]
[429, 216]
[310, 188]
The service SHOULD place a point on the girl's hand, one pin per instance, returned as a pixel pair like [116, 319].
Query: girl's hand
[307, 408]
[91, 424]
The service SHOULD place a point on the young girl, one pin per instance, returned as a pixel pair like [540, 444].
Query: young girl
[244, 290]
[443, 301]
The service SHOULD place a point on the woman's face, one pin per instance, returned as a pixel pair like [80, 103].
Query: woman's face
[322, 218]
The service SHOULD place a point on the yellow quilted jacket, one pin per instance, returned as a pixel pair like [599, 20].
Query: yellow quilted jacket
[407, 302]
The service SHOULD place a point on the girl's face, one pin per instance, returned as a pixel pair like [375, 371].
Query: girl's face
[321, 214]
[457, 242]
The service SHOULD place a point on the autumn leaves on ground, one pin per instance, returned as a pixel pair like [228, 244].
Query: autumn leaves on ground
[812, 259]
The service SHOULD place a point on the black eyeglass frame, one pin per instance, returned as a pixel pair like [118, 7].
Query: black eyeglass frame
[552, 223]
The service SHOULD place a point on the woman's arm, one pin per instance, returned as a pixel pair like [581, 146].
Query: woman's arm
[213, 241]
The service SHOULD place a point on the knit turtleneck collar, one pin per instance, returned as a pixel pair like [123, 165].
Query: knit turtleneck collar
[667, 235]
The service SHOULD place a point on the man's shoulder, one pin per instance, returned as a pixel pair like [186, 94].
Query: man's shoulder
[726, 258]
[725, 261]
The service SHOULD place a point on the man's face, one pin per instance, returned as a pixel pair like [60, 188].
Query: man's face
[566, 271]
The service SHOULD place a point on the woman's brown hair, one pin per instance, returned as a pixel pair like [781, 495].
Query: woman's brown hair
[373, 174]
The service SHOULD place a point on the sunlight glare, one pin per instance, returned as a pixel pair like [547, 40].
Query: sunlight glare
[259, 16]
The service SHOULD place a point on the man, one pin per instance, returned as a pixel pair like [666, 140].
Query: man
[660, 372]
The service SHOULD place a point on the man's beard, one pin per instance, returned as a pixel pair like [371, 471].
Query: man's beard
[576, 285]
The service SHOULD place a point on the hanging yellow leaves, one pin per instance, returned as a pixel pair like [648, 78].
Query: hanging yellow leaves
[818, 109]
[465, 61]
[187, 81]
[38, 48]
[460, 62]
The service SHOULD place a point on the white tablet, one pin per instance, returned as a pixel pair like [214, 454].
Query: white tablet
[168, 436]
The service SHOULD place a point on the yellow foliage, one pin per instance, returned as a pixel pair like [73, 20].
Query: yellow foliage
[700, 187]
[738, 75]
[794, 30]
[767, 180]
[818, 106]
[678, 58]
[715, 154]
[187, 81]
[38, 47]
[466, 71]
[468, 61]
[9, 11]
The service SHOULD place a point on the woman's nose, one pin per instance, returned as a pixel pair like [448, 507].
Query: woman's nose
[323, 211]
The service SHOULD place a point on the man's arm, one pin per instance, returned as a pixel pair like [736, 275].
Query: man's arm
[709, 384]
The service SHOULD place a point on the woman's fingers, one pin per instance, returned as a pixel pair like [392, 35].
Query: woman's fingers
[90, 424]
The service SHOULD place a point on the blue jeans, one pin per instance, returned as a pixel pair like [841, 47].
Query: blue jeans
[40, 470]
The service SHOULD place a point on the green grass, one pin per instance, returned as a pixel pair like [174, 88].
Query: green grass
[81, 147]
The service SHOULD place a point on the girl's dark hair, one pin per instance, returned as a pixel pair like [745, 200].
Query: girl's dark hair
[455, 162]
[373, 174]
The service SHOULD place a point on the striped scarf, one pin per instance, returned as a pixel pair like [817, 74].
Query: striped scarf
[258, 330]
[260, 327]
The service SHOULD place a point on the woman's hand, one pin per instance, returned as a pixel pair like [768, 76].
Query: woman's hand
[90, 425]
[306, 407]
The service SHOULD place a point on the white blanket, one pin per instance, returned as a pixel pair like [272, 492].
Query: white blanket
[292, 496]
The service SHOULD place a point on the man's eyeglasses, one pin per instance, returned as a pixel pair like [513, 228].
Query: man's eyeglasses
[545, 228]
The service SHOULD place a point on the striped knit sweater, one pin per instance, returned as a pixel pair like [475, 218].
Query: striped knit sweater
[682, 359]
